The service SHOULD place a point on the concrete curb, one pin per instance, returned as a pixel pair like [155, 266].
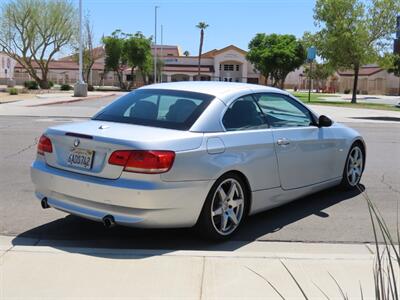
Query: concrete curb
[232, 249]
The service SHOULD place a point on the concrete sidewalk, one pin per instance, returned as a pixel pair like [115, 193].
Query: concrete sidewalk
[59, 98]
[377, 99]
[357, 115]
[32, 269]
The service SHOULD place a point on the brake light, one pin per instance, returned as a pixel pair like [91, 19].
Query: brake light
[44, 145]
[143, 161]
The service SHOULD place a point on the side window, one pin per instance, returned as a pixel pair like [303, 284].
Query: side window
[244, 114]
[282, 111]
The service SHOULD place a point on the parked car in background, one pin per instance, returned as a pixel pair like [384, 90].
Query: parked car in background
[204, 154]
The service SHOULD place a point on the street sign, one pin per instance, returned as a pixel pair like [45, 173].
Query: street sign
[311, 53]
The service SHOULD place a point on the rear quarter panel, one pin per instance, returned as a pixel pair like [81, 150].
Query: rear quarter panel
[249, 152]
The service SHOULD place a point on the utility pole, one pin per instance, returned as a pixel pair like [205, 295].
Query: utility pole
[161, 53]
[80, 89]
[155, 44]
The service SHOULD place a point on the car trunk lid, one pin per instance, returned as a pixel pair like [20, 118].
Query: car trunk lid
[86, 147]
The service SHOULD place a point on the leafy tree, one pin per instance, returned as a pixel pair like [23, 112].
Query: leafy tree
[202, 26]
[309, 39]
[33, 31]
[115, 59]
[126, 50]
[148, 69]
[353, 32]
[137, 50]
[391, 62]
[186, 53]
[320, 73]
[275, 56]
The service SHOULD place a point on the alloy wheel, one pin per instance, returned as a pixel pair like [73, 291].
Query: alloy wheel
[355, 166]
[227, 206]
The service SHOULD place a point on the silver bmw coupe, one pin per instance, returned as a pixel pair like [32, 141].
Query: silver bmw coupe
[204, 154]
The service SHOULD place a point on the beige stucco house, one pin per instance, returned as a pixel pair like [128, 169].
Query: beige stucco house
[226, 64]
[373, 80]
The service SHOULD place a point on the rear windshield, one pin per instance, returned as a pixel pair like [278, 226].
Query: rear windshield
[157, 108]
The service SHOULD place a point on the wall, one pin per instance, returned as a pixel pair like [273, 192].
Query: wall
[7, 65]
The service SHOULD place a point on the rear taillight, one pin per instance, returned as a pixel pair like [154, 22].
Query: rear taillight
[143, 161]
[44, 145]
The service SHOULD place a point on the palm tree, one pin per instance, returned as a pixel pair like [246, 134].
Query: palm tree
[186, 53]
[201, 26]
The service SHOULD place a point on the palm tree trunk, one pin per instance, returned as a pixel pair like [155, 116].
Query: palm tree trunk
[200, 50]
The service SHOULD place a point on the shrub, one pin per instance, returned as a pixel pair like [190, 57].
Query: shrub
[347, 91]
[13, 91]
[51, 84]
[31, 85]
[66, 87]
[90, 88]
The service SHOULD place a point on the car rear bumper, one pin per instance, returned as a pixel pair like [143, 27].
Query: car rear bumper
[131, 202]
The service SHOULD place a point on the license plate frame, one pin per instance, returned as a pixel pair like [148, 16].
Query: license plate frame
[80, 158]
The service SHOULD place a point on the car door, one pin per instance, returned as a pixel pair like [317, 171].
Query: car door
[249, 144]
[306, 153]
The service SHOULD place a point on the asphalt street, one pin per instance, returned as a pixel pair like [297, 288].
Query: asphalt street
[328, 216]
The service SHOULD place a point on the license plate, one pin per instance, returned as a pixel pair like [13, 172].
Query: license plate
[80, 158]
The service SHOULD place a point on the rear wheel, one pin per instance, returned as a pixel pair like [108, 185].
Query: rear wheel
[224, 209]
[354, 167]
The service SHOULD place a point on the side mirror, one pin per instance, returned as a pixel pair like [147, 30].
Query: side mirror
[324, 121]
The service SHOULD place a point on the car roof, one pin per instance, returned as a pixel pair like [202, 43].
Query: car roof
[219, 89]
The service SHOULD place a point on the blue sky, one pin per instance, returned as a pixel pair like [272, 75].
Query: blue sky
[231, 22]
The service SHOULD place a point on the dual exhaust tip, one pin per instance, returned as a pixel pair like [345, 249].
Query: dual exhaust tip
[44, 203]
[108, 220]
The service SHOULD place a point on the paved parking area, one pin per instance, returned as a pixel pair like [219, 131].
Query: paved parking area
[329, 216]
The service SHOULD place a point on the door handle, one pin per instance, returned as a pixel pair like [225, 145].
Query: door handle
[283, 141]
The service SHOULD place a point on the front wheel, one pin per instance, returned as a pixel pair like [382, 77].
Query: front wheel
[354, 167]
[224, 209]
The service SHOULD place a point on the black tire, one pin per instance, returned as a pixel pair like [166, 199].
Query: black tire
[206, 225]
[348, 183]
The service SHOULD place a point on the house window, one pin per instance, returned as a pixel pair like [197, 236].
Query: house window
[228, 67]
[237, 67]
[220, 67]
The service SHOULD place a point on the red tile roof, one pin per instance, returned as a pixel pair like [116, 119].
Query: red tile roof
[214, 52]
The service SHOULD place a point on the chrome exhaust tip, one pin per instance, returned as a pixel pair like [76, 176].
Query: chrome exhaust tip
[44, 203]
[108, 221]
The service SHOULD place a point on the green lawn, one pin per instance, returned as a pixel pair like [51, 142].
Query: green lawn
[316, 99]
